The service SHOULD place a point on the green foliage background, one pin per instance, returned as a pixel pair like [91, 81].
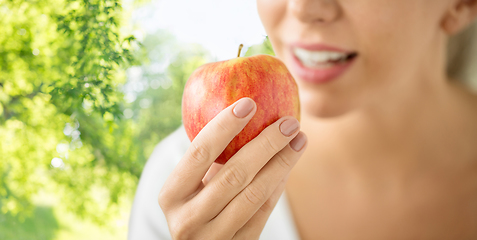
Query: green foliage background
[60, 63]
[75, 85]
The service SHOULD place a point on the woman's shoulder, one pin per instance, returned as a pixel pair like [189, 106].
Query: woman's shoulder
[147, 220]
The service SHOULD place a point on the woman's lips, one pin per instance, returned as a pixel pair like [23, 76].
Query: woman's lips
[320, 74]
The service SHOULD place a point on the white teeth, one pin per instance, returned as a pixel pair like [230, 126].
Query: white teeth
[319, 58]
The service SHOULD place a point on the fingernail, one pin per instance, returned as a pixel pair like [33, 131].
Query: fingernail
[213, 170]
[298, 142]
[243, 108]
[289, 126]
[208, 178]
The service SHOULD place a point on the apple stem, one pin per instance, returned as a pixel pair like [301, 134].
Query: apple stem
[240, 50]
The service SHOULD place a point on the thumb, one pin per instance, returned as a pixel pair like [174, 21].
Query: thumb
[214, 169]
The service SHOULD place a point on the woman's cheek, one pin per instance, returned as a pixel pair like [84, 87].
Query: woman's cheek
[271, 13]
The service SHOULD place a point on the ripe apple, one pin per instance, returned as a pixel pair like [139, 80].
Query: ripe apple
[215, 86]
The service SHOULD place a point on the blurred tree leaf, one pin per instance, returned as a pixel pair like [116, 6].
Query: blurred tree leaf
[61, 65]
[264, 48]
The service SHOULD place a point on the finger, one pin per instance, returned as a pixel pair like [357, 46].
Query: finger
[213, 170]
[205, 148]
[246, 204]
[243, 166]
[254, 227]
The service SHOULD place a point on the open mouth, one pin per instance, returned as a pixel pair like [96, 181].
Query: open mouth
[322, 59]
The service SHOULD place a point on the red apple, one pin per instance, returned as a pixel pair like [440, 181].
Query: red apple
[215, 86]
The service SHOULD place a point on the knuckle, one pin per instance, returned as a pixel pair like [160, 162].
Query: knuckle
[184, 228]
[198, 154]
[163, 201]
[234, 177]
[245, 235]
[180, 231]
[254, 194]
[267, 206]
[270, 145]
[284, 161]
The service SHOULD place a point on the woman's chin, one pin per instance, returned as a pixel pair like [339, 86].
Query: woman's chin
[319, 106]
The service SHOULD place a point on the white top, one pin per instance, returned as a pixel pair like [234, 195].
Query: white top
[147, 221]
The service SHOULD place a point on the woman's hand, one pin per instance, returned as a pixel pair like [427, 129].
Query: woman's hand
[237, 201]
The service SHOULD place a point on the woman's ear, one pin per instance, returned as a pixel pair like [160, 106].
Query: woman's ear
[460, 14]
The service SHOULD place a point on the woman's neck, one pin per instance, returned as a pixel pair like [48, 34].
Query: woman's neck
[426, 125]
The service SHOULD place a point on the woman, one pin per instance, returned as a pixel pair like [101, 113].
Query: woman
[390, 146]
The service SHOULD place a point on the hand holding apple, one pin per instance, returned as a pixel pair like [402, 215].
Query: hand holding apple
[226, 205]
[204, 200]
[215, 86]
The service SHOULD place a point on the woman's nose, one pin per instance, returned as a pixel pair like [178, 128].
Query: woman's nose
[312, 11]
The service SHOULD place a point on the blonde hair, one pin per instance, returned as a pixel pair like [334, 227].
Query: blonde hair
[462, 57]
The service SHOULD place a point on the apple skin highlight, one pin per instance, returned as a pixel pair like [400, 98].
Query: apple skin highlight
[215, 86]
